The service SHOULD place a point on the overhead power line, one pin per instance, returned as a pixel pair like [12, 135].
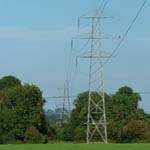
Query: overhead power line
[70, 65]
[126, 33]
[102, 7]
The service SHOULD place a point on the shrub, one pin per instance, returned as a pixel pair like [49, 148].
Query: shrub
[134, 131]
[5, 139]
[33, 136]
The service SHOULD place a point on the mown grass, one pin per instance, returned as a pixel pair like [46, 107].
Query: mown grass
[77, 147]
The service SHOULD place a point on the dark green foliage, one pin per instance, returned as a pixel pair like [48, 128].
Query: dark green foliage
[5, 139]
[10, 125]
[121, 108]
[8, 82]
[22, 118]
[22, 108]
[79, 117]
[51, 132]
[56, 133]
[68, 132]
[27, 103]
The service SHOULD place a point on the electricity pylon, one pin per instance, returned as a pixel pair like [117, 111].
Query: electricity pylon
[65, 106]
[96, 117]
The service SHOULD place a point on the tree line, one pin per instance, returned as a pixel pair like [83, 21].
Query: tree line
[126, 122]
[23, 119]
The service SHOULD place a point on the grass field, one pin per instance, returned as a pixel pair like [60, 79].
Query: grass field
[77, 147]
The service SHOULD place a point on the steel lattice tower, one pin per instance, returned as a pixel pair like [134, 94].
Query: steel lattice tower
[96, 118]
[65, 102]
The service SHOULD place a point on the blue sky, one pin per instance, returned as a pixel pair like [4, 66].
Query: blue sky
[35, 44]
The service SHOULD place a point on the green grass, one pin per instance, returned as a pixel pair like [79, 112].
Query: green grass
[77, 147]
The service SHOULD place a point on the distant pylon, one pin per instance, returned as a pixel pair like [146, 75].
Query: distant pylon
[65, 105]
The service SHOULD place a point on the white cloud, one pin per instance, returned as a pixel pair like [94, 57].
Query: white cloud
[23, 33]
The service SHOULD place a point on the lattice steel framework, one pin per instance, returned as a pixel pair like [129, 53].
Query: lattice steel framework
[65, 104]
[96, 118]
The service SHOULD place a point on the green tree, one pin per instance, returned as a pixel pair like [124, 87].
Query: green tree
[79, 115]
[124, 105]
[121, 108]
[25, 104]
[8, 121]
[8, 82]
